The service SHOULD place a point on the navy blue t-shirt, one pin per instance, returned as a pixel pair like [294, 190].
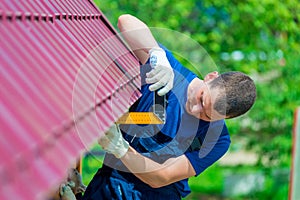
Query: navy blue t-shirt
[201, 142]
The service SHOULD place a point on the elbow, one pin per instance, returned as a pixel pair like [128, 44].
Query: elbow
[123, 21]
[156, 184]
[127, 22]
[159, 181]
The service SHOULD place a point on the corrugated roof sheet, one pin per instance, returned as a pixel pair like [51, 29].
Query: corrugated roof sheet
[65, 78]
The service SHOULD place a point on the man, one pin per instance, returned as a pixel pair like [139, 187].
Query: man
[155, 161]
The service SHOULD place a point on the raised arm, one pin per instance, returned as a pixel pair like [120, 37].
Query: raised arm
[141, 41]
[137, 35]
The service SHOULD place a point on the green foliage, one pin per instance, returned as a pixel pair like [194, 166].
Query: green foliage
[210, 181]
[91, 163]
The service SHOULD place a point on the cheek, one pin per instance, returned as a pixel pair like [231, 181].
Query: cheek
[199, 116]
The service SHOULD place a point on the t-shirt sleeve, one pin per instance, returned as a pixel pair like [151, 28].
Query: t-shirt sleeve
[177, 66]
[213, 147]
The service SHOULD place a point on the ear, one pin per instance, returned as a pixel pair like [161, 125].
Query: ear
[210, 76]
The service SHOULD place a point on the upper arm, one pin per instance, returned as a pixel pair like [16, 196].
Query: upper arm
[137, 35]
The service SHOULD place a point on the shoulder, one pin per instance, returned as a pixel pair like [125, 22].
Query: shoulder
[181, 70]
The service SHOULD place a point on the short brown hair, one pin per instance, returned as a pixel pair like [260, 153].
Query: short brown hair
[238, 93]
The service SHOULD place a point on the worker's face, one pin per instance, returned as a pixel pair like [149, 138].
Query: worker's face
[200, 99]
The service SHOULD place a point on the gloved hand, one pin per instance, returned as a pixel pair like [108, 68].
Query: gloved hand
[162, 75]
[66, 192]
[113, 142]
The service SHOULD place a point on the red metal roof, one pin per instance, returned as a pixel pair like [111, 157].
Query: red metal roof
[65, 78]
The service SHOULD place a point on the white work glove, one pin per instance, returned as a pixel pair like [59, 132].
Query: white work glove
[113, 142]
[161, 75]
[66, 192]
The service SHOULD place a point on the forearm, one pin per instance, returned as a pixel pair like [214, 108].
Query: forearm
[144, 168]
[137, 35]
[156, 174]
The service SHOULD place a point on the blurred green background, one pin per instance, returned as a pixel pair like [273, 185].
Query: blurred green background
[260, 38]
